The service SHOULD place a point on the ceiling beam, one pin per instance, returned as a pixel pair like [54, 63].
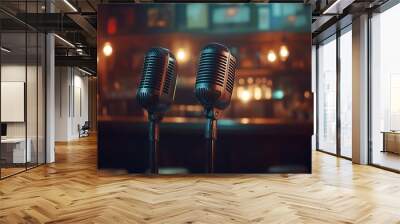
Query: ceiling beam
[79, 61]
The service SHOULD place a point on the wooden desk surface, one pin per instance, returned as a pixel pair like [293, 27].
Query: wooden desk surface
[391, 132]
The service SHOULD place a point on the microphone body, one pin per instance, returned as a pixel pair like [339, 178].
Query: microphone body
[156, 93]
[157, 86]
[214, 86]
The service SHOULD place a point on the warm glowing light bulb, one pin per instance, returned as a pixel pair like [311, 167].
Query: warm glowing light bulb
[107, 49]
[239, 91]
[267, 92]
[271, 56]
[284, 52]
[232, 11]
[181, 55]
[245, 120]
[257, 93]
[307, 94]
[245, 96]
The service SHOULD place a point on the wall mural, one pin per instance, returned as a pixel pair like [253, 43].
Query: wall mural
[268, 123]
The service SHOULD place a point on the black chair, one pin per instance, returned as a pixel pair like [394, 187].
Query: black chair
[84, 130]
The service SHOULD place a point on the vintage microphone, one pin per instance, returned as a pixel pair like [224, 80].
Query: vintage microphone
[156, 93]
[214, 86]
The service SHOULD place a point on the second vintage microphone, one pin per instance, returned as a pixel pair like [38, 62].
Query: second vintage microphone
[156, 93]
[214, 85]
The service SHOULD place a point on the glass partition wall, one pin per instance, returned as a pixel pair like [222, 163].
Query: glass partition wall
[327, 96]
[334, 94]
[345, 91]
[22, 98]
[385, 89]
[13, 90]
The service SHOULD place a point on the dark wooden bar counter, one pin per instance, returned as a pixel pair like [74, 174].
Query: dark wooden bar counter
[246, 145]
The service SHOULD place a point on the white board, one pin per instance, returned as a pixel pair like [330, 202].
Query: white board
[12, 101]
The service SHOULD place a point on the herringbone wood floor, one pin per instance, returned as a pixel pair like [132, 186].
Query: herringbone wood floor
[72, 191]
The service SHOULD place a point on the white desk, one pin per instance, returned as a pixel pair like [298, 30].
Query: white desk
[18, 149]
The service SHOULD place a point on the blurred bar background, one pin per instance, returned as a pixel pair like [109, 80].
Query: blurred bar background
[272, 43]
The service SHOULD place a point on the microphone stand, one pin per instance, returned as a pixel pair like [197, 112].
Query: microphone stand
[211, 138]
[154, 137]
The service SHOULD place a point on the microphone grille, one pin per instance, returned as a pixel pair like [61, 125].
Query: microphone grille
[215, 63]
[171, 72]
[153, 69]
[231, 75]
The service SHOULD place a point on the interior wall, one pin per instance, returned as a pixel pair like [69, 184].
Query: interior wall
[34, 104]
[62, 82]
[71, 102]
[16, 73]
[81, 108]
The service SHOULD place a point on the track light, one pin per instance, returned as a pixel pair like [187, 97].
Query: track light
[70, 5]
[65, 41]
[84, 71]
[337, 7]
[5, 50]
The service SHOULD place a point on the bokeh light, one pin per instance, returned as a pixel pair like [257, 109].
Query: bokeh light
[232, 11]
[278, 94]
[267, 93]
[284, 52]
[307, 94]
[112, 26]
[250, 80]
[257, 93]
[245, 120]
[245, 96]
[271, 56]
[107, 49]
[181, 55]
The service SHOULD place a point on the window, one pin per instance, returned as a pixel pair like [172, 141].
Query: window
[327, 96]
[385, 89]
[346, 94]
[334, 106]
